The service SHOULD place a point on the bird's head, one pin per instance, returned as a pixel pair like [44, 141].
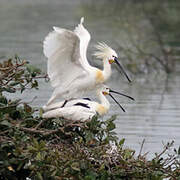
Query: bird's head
[107, 91]
[105, 52]
[108, 54]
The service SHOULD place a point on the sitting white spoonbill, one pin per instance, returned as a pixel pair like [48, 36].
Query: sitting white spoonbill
[68, 69]
[83, 109]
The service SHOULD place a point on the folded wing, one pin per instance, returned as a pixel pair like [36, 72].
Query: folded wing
[74, 113]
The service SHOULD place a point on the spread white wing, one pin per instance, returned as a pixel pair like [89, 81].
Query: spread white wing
[84, 37]
[62, 48]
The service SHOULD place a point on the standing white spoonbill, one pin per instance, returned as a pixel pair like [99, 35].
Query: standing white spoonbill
[83, 109]
[68, 69]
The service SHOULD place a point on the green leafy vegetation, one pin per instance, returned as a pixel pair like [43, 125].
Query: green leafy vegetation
[55, 148]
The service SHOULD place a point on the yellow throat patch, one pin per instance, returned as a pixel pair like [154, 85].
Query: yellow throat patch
[101, 110]
[99, 77]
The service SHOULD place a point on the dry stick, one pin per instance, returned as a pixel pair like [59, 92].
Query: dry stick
[31, 130]
[43, 76]
[41, 122]
[18, 103]
[53, 131]
[74, 124]
[43, 133]
[141, 148]
[164, 150]
[11, 76]
[11, 105]
[14, 67]
[47, 132]
[4, 132]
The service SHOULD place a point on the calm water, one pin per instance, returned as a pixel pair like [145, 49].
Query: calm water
[154, 116]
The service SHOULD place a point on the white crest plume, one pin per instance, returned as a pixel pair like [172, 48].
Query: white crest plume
[104, 51]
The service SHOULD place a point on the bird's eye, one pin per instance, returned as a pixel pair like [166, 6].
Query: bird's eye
[114, 57]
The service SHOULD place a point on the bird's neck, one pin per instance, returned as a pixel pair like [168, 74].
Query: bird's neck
[106, 69]
[83, 49]
[104, 106]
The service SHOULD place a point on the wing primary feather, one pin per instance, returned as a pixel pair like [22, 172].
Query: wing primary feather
[82, 20]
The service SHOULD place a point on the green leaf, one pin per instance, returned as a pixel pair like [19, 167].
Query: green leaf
[91, 175]
[111, 126]
[10, 90]
[19, 74]
[38, 156]
[6, 123]
[41, 112]
[3, 100]
[112, 118]
[121, 142]
[34, 84]
[14, 83]
[179, 150]
[39, 176]
[27, 108]
[75, 166]
[32, 69]
[35, 143]
[22, 88]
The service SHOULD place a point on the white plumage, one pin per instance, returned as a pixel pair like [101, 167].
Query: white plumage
[82, 109]
[74, 113]
[79, 109]
[68, 69]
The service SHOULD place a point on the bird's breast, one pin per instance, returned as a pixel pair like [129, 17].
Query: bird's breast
[101, 110]
[99, 77]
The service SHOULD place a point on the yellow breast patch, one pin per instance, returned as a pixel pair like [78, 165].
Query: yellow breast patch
[99, 76]
[101, 110]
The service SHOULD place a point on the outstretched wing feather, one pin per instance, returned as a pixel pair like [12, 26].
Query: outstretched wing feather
[62, 48]
[84, 37]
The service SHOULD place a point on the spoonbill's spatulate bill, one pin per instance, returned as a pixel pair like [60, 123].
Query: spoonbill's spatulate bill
[83, 109]
[68, 69]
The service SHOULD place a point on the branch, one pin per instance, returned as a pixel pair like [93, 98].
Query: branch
[42, 132]
[40, 123]
[12, 105]
[141, 148]
[4, 132]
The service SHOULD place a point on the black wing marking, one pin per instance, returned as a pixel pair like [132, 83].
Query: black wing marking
[87, 99]
[65, 102]
[82, 104]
